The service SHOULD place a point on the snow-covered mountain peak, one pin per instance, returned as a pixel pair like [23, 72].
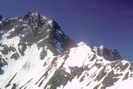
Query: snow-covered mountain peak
[36, 54]
[33, 28]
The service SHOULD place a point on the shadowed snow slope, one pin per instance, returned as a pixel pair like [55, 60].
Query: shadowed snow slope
[36, 54]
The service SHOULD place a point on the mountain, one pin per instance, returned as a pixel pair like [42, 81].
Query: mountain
[36, 54]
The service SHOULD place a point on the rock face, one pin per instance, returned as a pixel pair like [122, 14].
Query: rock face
[36, 54]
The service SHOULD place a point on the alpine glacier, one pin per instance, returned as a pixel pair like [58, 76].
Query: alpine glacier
[36, 54]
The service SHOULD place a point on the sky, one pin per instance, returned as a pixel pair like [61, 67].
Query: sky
[96, 22]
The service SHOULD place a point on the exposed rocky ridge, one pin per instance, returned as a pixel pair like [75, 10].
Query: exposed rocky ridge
[36, 54]
[109, 54]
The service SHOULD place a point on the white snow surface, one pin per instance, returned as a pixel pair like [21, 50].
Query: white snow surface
[78, 55]
[127, 84]
[29, 69]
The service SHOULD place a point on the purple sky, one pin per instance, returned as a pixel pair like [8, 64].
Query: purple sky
[97, 22]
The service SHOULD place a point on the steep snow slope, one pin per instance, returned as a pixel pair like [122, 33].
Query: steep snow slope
[36, 54]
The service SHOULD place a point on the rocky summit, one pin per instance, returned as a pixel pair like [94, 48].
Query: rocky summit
[36, 54]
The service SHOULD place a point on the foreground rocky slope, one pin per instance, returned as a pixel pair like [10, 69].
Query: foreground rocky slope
[36, 54]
